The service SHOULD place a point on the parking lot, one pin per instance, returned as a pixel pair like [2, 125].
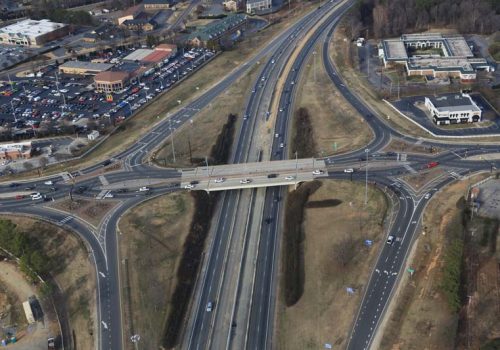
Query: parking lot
[60, 104]
[412, 107]
[10, 55]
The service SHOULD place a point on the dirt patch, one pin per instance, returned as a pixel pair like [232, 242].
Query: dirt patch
[74, 276]
[336, 125]
[423, 177]
[334, 258]
[89, 210]
[400, 146]
[152, 238]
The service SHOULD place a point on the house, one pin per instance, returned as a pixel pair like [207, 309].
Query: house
[256, 6]
[453, 109]
[143, 24]
[230, 5]
[130, 14]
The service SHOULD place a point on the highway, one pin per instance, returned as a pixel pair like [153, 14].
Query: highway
[232, 225]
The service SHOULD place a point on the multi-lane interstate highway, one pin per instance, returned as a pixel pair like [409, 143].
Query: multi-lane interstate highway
[254, 305]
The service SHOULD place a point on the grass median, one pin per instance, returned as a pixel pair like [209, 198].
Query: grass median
[333, 256]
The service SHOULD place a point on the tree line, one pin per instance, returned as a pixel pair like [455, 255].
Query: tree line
[32, 260]
[386, 18]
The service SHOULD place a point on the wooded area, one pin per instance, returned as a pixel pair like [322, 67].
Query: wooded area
[388, 18]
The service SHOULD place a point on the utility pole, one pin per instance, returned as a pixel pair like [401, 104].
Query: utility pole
[208, 175]
[172, 136]
[366, 176]
[314, 63]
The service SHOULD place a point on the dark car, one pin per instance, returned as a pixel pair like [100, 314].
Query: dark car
[272, 176]
[81, 189]
[14, 184]
[194, 182]
[106, 163]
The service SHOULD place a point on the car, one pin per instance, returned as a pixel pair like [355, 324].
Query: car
[245, 181]
[276, 135]
[282, 145]
[210, 306]
[427, 196]
[318, 172]
[219, 180]
[189, 187]
[122, 190]
[194, 182]
[81, 189]
[14, 184]
[289, 177]
[272, 176]
[29, 188]
[349, 170]
[36, 196]
[19, 196]
[48, 183]
[390, 240]
[106, 162]
[143, 189]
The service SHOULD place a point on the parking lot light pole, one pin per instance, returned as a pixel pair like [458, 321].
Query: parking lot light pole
[366, 177]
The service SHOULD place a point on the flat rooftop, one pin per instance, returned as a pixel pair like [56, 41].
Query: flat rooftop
[395, 49]
[138, 55]
[30, 27]
[453, 102]
[87, 65]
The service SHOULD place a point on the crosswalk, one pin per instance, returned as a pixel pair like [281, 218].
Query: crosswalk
[103, 180]
[455, 175]
[101, 194]
[410, 169]
[65, 220]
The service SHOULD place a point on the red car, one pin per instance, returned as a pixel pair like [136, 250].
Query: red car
[19, 196]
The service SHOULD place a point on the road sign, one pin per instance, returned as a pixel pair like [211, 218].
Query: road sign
[411, 271]
[368, 242]
[349, 290]
[335, 146]
[328, 346]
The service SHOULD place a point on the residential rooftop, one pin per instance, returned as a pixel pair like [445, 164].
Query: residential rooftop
[217, 28]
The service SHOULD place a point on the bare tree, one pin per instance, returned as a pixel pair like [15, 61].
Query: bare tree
[344, 250]
[28, 166]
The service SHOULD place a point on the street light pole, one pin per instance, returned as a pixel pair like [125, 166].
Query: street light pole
[208, 175]
[296, 169]
[172, 136]
[366, 177]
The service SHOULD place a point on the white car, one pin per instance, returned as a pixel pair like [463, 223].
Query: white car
[390, 240]
[143, 189]
[210, 306]
[427, 196]
[35, 196]
[290, 177]
[282, 145]
[219, 180]
[350, 170]
[318, 172]
[189, 186]
[48, 183]
[245, 181]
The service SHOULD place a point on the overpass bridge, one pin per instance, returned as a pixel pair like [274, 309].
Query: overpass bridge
[252, 175]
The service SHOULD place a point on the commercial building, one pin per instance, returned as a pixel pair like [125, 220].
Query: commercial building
[153, 5]
[32, 33]
[453, 109]
[433, 54]
[256, 6]
[11, 151]
[84, 68]
[111, 81]
[213, 32]
[138, 55]
[170, 48]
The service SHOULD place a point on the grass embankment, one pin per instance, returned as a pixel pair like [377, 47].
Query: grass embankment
[60, 258]
[153, 235]
[323, 253]
[452, 299]
[336, 125]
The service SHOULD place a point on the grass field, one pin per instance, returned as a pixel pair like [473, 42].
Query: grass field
[335, 226]
[421, 317]
[337, 127]
[150, 243]
[203, 131]
[75, 275]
